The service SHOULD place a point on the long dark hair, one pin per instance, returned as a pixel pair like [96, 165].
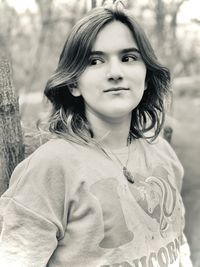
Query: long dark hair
[68, 114]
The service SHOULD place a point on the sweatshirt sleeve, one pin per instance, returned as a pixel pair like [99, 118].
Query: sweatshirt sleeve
[33, 212]
[175, 163]
[185, 260]
[177, 168]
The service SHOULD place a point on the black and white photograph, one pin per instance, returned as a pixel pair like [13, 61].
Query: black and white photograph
[99, 133]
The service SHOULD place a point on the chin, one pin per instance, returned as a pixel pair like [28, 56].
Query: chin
[123, 111]
[119, 114]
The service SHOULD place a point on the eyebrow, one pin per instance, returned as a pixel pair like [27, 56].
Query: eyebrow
[123, 51]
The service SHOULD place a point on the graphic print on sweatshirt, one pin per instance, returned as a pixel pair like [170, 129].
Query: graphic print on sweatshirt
[155, 195]
[116, 232]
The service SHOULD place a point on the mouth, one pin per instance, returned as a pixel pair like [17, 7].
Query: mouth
[116, 89]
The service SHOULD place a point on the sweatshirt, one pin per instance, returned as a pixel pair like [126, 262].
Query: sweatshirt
[71, 206]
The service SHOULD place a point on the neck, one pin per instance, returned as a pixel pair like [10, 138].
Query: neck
[113, 133]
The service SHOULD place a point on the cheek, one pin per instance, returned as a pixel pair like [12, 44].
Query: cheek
[137, 74]
[137, 82]
[88, 88]
[141, 73]
[88, 79]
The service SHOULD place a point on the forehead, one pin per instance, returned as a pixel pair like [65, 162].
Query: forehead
[114, 36]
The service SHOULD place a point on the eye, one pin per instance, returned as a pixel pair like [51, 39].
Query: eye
[95, 61]
[129, 58]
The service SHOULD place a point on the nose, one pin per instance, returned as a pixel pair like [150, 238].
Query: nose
[115, 72]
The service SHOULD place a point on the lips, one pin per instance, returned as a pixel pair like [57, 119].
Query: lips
[116, 89]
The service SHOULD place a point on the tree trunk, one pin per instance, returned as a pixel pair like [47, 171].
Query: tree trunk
[11, 144]
[160, 19]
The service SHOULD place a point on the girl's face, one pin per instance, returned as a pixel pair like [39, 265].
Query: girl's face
[113, 84]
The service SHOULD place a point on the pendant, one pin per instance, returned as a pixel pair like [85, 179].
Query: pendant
[128, 175]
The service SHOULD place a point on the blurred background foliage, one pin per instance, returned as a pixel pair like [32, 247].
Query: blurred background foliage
[32, 35]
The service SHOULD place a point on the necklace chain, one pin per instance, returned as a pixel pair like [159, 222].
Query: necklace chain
[117, 158]
[129, 176]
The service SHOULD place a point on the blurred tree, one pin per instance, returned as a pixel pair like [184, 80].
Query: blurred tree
[166, 13]
[96, 3]
[174, 10]
[160, 13]
[45, 11]
[160, 20]
[11, 145]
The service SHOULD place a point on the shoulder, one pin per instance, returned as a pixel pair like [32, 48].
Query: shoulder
[41, 182]
[165, 148]
[54, 152]
[160, 145]
[162, 152]
[54, 148]
[51, 159]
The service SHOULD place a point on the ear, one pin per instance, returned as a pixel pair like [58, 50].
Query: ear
[73, 88]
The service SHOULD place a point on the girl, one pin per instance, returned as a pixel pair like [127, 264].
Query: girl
[104, 191]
